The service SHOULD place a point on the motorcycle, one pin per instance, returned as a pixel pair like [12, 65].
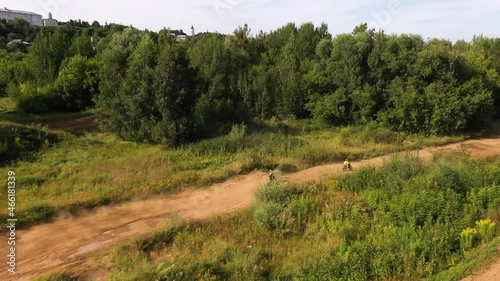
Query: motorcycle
[347, 167]
[271, 176]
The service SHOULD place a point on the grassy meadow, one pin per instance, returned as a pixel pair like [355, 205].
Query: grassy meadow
[88, 168]
[402, 221]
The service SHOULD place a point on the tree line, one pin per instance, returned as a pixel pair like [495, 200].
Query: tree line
[150, 87]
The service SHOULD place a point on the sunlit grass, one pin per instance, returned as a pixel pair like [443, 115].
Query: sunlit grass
[33, 119]
[7, 105]
[325, 232]
[98, 168]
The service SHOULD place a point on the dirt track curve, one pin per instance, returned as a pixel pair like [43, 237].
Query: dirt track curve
[78, 244]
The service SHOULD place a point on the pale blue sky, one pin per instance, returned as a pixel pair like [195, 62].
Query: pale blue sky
[450, 19]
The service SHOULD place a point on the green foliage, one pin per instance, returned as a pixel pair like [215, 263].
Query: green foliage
[7, 105]
[78, 83]
[46, 55]
[283, 209]
[468, 238]
[487, 197]
[275, 193]
[58, 276]
[18, 140]
[30, 181]
[157, 79]
[397, 225]
[36, 213]
[474, 259]
[486, 229]
[158, 239]
[267, 215]
[34, 99]
[82, 44]
[178, 92]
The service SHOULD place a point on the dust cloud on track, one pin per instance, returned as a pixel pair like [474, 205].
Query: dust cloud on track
[78, 244]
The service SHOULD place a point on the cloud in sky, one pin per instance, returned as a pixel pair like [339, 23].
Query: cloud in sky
[452, 19]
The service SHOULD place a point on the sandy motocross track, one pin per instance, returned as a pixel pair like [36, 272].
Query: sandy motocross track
[73, 243]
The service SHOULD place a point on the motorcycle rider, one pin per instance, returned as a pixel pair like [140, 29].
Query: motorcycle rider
[271, 176]
[347, 165]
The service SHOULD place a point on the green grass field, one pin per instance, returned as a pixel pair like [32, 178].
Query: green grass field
[90, 169]
[398, 225]
[389, 223]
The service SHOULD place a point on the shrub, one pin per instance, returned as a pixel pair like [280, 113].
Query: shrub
[485, 229]
[487, 197]
[32, 99]
[19, 140]
[275, 193]
[267, 214]
[468, 238]
[37, 213]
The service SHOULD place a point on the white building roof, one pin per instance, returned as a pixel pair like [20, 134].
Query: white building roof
[18, 12]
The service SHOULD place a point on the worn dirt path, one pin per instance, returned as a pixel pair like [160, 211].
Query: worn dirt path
[492, 273]
[78, 244]
[84, 122]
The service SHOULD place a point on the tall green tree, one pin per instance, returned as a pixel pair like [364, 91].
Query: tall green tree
[218, 103]
[291, 99]
[135, 105]
[114, 57]
[174, 94]
[46, 54]
[78, 82]
[82, 45]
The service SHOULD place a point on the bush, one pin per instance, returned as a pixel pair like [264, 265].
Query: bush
[281, 208]
[485, 229]
[468, 238]
[37, 214]
[267, 214]
[32, 99]
[275, 193]
[487, 197]
[19, 140]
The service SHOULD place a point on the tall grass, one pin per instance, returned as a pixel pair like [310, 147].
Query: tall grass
[7, 105]
[401, 221]
[57, 276]
[93, 169]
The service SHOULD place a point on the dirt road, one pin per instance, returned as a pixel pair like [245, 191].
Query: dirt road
[491, 273]
[76, 243]
[84, 122]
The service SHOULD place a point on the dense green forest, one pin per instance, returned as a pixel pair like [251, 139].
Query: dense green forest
[148, 86]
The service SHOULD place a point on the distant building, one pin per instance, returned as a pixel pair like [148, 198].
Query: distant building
[50, 21]
[19, 41]
[181, 37]
[32, 18]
